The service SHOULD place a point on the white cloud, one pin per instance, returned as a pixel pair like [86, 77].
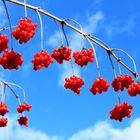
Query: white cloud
[99, 131]
[104, 131]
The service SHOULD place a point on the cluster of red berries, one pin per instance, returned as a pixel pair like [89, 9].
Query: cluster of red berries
[42, 59]
[61, 54]
[25, 30]
[74, 83]
[3, 42]
[23, 120]
[99, 85]
[83, 57]
[120, 111]
[121, 82]
[11, 60]
[134, 89]
[3, 111]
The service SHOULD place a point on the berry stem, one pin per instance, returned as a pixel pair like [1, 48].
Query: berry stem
[41, 30]
[6, 28]
[25, 8]
[133, 61]
[81, 28]
[2, 91]
[7, 13]
[96, 59]
[112, 65]
[120, 71]
[60, 32]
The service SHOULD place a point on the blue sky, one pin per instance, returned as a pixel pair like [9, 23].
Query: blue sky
[59, 114]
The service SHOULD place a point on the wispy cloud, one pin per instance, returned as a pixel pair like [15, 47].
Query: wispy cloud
[2, 16]
[99, 131]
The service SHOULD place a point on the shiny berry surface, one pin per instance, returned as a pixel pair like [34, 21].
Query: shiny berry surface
[25, 30]
[120, 111]
[134, 89]
[100, 85]
[3, 42]
[83, 57]
[74, 83]
[3, 108]
[11, 60]
[24, 107]
[42, 59]
[62, 54]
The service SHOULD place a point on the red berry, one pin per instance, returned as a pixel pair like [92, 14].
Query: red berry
[24, 107]
[120, 111]
[3, 122]
[121, 82]
[134, 89]
[74, 83]
[3, 42]
[42, 59]
[25, 30]
[3, 108]
[23, 120]
[100, 85]
[62, 54]
[11, 60]
[83, 57]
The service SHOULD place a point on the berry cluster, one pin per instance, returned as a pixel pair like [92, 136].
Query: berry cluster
[120, 111]
[23, 120]
[83, 57]
[121, 82]
[74, 83]
[11, 60]
[42, 59]
[3, 42]
[99, 85]
[24, 107]
[25, 30]
[61, 54]
[134, 89]
[3, 111]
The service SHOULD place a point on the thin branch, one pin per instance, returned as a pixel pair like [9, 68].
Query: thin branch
[6, 28]
[88, 36]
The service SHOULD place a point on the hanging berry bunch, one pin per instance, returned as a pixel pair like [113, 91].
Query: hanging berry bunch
[121, 82]
[23, 120]
[83, 57]
[3, 42]
[25, 30]
[3, 111]
[42, 59]
[134, 89]
[74, 83]
[100, 85]
[62, 54]
[120, 111]
[11, 60]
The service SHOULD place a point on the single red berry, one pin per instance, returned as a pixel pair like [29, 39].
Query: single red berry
[100, 85]
[11, 60]
[3, 42]
[62, 54]
[3, 108]
[25, 30]
[3, 122]
[83, 57]
[74, 83]
[24, 107]
[23, 120]
[42, 59]
[120, 111]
